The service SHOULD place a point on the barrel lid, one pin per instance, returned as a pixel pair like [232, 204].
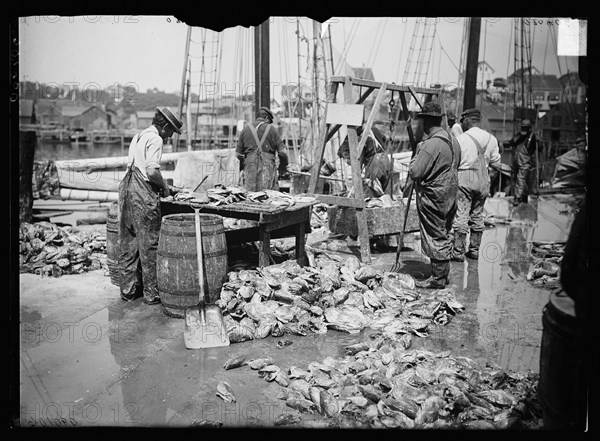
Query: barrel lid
[562, 302]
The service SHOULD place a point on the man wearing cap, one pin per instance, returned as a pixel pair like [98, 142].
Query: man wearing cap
[479, 150]
[525, 143]
[257, 146]
[433, 170]
[139, 205]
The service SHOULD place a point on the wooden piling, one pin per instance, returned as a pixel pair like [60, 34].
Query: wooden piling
[27, 144]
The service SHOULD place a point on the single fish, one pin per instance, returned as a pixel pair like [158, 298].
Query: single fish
[286, 419]
[329, 405]
[225, 392]
[259, 363]
[235, 362]
[300, 404]
[207, 423]
[315, 397]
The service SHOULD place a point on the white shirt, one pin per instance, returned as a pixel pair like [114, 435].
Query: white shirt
[469, 151]
[456, 130]
[145, 150]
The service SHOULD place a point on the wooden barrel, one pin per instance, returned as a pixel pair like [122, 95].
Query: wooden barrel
[112, 242]
[177, 261]
[561, 388]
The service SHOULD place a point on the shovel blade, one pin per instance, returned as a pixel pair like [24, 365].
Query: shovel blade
[204, 327]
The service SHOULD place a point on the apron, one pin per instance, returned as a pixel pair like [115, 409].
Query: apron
[259, 166]
[436, 205]
[139, 229]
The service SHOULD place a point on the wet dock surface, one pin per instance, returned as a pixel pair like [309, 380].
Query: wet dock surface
[94, 360]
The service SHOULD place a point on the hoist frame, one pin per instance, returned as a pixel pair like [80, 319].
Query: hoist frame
[329, 128]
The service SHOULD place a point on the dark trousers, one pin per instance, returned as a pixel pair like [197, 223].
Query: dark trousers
[138, 235]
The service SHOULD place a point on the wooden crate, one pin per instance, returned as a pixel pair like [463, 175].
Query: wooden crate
[380, 221]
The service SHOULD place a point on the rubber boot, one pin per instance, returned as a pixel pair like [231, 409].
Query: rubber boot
[439, 275]
[458, 249]
[135, 293]
[474, 243]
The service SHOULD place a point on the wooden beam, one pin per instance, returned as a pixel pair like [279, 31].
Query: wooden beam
[396, 87]
[365, 250]
[371, 118]
[318, 158]
[406, 115]
[414, 95]
[340, 200]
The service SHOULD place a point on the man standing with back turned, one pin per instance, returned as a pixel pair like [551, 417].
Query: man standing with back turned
[257, 146]
[139, 205]
[433, 170]
[479, 149]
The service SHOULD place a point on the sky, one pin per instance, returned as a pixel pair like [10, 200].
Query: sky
[148, 51]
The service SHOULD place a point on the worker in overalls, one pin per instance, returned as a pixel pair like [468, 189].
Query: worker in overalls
[257, 147]
[139, 204]
[525, 145]
[433, 171]
[479, 150]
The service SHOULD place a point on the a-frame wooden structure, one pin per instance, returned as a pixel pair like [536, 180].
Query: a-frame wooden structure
[332, 123]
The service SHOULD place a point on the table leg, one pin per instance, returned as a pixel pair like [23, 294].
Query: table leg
[300, 244]
[363, 233]
[264, 237]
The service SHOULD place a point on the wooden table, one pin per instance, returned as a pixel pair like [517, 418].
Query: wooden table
[281, 222]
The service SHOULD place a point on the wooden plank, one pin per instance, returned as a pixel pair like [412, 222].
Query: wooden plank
[380, 221]
[411, 137]
[337, 127]
[414, 95]
[365, 250]
[369, 124]
[340, 200]
[318, 158]
[396, 87]
[289, 218]
[348, 114]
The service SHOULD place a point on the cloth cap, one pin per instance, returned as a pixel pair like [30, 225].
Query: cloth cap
[170, 116]
[471, 113]
[430, 109]
[266, 109]
[526, 123]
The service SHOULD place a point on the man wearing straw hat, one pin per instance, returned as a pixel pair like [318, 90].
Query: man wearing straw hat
[139, 205]
[434, 171]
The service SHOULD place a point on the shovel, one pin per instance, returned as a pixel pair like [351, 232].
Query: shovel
[204, 326]
[396, 267]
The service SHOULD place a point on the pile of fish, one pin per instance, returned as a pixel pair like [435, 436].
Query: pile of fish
[383, 384]
[546, 270]
[45, 180]
[49, 250]
[332, 292]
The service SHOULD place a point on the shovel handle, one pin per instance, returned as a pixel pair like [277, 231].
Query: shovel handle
[199, 253]
[401, 235]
